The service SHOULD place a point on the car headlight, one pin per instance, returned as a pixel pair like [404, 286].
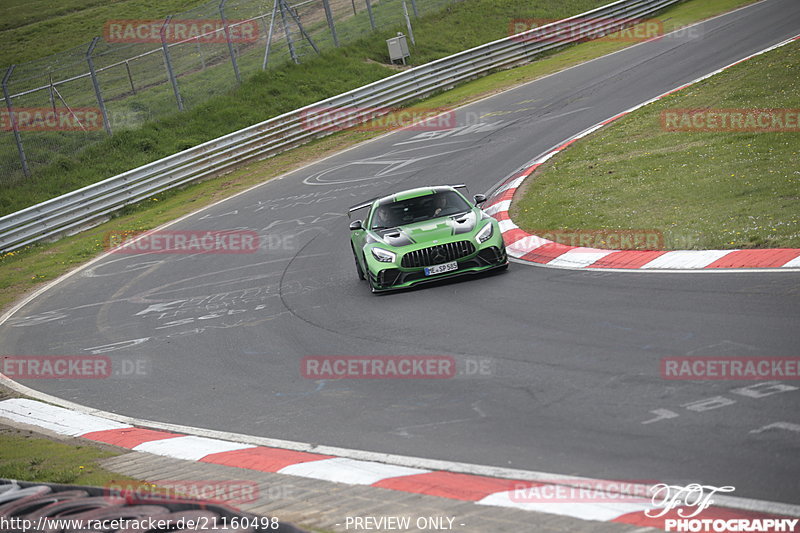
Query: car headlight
[384, 256]
[485, 234]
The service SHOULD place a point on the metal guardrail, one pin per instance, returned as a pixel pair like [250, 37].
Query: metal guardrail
[87, 206]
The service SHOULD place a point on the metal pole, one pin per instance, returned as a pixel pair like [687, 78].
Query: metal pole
[414, 8]
[328, 15]
[52, 94]
[408, 23]
[130, 77]
[269, 35]
[200, 53]
[96, 84]
[371, 16]
[301, 28]
[228, 38]
[354, 7]
[168, 63]
[13, 120]
[288, 33]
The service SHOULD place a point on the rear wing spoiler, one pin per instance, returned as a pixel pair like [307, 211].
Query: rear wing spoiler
[360, 206]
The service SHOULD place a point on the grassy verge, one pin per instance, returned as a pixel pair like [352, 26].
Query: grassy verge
[269, 94]
[32, 29]
[29, 457]
[703, 190]
[25, 270]
[26, 456]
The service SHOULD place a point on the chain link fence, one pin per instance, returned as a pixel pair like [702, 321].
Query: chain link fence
[140, 70]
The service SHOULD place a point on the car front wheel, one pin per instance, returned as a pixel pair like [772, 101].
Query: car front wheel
[359, 271]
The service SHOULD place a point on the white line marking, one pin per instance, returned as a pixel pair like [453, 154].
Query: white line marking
[605, 511]
[778, 425]
[794, 263]
[55, 419]
[686, 259]
[579, 257]
[353, 472]
[506, 225]
[525, 245]
[499, 206]
[190, 447]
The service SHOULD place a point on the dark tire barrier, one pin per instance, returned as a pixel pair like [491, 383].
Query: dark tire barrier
[55, 508]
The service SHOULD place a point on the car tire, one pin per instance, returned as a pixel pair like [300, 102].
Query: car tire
[359, 271]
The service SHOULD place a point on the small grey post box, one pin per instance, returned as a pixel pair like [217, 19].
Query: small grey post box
[398, 48]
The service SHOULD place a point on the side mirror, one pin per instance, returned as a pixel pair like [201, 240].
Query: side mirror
[479, 199]
[356, 225]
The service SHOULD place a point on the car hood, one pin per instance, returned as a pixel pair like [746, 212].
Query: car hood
[437, 229]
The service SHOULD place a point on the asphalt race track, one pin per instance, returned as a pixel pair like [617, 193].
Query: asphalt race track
[571, 378]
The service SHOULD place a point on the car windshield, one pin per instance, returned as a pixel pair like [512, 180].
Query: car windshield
[419, 209]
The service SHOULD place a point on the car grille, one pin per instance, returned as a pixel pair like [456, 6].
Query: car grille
[436, 255]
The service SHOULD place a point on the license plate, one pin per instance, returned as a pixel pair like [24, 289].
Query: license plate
[438, 269]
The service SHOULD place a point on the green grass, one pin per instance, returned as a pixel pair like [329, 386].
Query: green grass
[268, 94]
[703, 190]
[27, 269]
[32, 29]
[26, 457]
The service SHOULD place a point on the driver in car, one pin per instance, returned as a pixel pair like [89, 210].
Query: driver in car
[381, 219]
[439, 203]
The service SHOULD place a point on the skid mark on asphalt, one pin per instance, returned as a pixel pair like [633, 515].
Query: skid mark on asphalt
[404, 431]
[482, 127]
[392, 163]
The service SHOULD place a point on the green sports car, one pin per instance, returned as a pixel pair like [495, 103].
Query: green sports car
[423, 235]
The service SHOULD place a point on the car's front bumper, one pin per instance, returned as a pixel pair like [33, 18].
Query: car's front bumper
[484, 259]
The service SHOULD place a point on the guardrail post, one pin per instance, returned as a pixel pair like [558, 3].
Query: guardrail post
[287, 32]
[96, 85]
[414, 8]
[371, 16]
[328, 15]
[228, 38]
[168, 63]
[13, 119]
[269, 35]
[200, 53]
[408, 24]
[130, 77]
